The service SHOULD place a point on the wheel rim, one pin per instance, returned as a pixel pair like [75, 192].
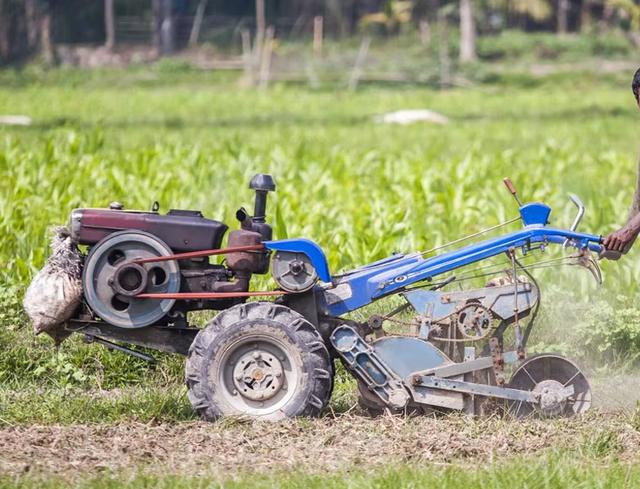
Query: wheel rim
[547, 375]
[258, 375]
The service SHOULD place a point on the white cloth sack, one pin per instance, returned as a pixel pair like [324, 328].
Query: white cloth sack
[56, 290]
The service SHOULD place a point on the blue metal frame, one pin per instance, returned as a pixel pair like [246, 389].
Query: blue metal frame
[309, 248]
[392, 274]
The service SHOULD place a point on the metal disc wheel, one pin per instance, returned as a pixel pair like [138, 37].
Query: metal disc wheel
[110, 281]
[549, 376]
[260, 360]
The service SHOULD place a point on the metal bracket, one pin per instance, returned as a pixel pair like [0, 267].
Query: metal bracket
[363, 361]
[114, 346]
[455, 369]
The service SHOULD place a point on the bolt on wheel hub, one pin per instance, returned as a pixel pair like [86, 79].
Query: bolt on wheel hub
[258, 375]
[552, 402]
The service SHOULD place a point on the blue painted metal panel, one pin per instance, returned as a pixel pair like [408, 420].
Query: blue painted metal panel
[363, 289]
[535, 214]
[393, 258]
[407, 355]
[430, 301]
[309, 248]
[499, 299]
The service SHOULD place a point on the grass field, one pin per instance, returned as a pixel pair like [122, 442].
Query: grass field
[555, 471]
[359, 188]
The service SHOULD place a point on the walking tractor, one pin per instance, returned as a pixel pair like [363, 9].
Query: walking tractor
[140, 275]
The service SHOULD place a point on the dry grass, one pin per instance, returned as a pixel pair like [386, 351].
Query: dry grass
[312, 446]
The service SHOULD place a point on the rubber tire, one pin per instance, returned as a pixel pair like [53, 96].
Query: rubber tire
[315, 382]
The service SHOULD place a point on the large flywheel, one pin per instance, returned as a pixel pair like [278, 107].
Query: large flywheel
[112, 279]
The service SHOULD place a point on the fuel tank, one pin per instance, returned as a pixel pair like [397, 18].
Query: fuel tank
[181, 230]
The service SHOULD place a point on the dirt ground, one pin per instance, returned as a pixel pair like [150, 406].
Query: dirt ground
[332, 442]
[329, 443]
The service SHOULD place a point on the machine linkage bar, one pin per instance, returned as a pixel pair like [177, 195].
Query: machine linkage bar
[481, 389]
[455, 369]
[114, 346]
[162, 338]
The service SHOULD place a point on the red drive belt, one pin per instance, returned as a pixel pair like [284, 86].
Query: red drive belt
[198, 254]
[211, 295]
[206, 295]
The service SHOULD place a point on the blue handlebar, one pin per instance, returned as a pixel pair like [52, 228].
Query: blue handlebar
[370, 283]
[363, 285]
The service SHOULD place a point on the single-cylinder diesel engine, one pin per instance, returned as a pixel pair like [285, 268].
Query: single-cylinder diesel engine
[124, 248]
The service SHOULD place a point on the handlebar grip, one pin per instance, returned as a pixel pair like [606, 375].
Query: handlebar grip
[609, 255]
[510, 186]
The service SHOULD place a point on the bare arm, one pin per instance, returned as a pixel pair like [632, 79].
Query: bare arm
[635, 206]
[623, 239]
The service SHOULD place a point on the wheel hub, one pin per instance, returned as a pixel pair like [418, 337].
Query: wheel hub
[552, 402]
[257, 375]
[129, 279]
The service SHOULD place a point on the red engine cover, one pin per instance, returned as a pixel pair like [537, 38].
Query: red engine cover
[180, 230]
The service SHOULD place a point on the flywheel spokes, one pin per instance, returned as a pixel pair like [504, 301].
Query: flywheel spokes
[551, 377]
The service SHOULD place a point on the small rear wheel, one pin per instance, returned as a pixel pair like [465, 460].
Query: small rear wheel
[260, 360]
[549, 375]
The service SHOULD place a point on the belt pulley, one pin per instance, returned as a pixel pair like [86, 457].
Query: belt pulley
[113, 278]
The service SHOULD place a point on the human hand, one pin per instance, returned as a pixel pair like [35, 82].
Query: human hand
[621, 240]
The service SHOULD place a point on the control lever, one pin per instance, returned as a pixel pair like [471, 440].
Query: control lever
[585, 259]
[578, 203]
[576, 221]
[512, 189]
